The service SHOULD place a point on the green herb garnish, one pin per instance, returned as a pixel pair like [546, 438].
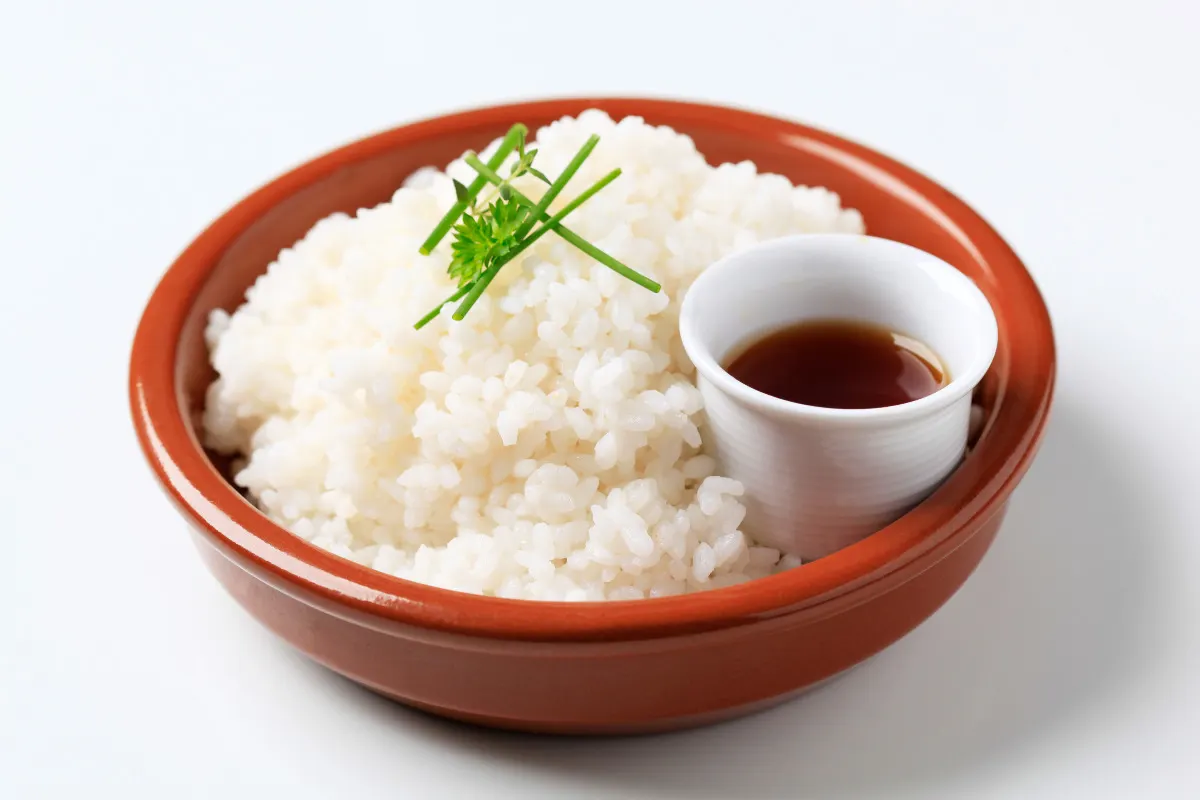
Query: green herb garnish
[487, 238]
[480, 239]
[568, 234]
[466, 194]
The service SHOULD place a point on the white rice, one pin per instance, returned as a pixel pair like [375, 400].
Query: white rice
[547, 447]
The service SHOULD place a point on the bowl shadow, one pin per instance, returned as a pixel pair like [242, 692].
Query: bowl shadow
[1049, 626]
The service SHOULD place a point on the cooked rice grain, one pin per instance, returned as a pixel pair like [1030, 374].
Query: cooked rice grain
[547, 447]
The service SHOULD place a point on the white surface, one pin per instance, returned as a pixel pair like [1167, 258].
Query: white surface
[820, 479]
[1069, 666]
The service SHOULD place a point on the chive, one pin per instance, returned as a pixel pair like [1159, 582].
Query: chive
[481, 283]
[432, 315]
[477, 288]
[567, 209]
[515, 135]
[557, 186]
[566, 233]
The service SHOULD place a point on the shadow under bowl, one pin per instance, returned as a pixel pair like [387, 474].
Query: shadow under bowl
[618, 667]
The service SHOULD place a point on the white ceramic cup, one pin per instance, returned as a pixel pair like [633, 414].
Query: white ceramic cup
[819, 479]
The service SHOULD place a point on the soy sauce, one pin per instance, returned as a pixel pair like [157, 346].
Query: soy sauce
[839, 364]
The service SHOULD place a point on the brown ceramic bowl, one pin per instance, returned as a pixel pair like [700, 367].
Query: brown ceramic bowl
[591, 667]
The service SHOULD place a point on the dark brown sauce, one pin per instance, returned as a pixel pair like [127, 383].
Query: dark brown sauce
[839, 364]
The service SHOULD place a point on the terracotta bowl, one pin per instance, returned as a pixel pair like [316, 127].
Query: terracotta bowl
[641, 665]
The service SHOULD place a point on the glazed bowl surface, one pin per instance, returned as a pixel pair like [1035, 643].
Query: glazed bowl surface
[616, 667]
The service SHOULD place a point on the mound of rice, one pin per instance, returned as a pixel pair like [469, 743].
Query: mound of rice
[547, 447]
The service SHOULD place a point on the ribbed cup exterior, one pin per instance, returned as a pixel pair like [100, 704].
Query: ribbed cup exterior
[814, 488]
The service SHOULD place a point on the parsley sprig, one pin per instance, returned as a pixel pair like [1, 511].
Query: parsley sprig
[481, 239]
[486, 237]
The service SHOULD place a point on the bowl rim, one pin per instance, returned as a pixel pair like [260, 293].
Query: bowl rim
[977, 490]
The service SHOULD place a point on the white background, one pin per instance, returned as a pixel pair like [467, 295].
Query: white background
[1068, 666]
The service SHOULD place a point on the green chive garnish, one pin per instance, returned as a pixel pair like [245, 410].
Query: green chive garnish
[566, 233]
[507, 145]
[486, 239]
[483, 280]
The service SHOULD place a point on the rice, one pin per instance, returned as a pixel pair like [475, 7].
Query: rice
[550, 445]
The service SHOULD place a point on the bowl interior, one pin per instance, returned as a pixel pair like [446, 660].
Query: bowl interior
[896, 203]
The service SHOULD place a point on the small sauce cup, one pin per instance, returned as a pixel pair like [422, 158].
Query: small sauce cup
[820, 479]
